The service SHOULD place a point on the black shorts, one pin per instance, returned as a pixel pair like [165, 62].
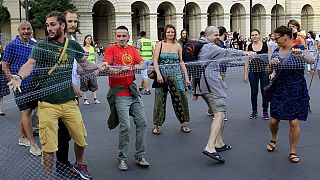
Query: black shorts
[24, 101]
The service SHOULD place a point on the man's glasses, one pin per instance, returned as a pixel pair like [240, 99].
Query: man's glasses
[276, 38]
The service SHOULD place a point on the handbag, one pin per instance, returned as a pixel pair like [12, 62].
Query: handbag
[152, 74]
[269, 89]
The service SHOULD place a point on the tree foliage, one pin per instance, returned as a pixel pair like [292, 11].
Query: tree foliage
[4, 14]
[40, 8]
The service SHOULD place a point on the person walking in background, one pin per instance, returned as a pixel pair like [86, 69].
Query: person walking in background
[297, 37]
[145, 47]
[89, 81]
[257, 67]
[173, 77]
[312, 47]
[290, 99]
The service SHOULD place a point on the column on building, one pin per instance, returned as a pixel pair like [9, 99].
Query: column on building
[124, 19]
[203, 19]
[226, 21]
[86, 27]
[152, 23]
[267, 25]
[178, 23]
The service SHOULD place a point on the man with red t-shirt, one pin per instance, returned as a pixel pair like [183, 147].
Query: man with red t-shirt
[123, 96]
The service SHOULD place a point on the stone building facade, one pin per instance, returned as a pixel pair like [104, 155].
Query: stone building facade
[101, 17]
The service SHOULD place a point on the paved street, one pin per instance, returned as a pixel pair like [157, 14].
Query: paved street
[174, 155]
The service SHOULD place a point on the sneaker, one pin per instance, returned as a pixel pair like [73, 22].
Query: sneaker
[142, 162]
[24, 142]
[122, 166]
[86, 102]
[141, 88]
[96, 101]
[82, 170]
[35, 150]
[146, 92]
[265, 116]
[253, 115]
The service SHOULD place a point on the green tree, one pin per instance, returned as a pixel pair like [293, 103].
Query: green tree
[4, 14]
[40, 8]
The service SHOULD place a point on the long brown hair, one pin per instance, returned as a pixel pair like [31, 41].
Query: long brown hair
[165, 32]
[84, 40]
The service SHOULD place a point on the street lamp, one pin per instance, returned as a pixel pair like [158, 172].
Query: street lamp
[185, 15]
[276, 13]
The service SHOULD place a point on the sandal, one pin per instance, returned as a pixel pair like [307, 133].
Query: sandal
[272, 146]
[185, 129]
[2, 114]
[156, 130]
[294, 158]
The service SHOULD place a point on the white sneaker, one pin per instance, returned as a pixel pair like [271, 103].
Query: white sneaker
[35, 150]
[97, 101]
[24, 142]
[86, 102]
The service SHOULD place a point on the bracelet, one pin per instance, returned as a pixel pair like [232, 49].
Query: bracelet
[19, 76]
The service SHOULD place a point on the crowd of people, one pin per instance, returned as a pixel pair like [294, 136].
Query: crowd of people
[60, 117]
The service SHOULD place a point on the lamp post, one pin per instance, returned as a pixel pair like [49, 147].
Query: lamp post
[185, 14]
[20, 10]
[26, 9]
[277, 13]
[251, 23]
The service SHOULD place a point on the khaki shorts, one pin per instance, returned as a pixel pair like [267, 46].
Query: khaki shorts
[48, 124]
[217, 104]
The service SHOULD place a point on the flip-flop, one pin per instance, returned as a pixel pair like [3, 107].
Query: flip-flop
[156, 130]
[223, 148]
[2, 114]
[214, 156]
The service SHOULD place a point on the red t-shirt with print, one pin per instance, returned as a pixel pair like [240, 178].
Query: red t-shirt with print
[119, 56]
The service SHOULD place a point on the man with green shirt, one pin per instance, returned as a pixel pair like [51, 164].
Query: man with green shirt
[145, 48]
[56, 98]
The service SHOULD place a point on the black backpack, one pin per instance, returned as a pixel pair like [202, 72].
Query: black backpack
[191, 51]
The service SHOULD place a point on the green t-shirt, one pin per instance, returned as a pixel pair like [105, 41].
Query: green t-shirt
[55, 88]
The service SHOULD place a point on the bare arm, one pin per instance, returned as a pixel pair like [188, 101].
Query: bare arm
[6, 69]
[156, 58]
[27, 68]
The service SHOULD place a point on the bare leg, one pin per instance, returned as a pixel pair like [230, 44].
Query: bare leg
[1, 99]
[27, 125]
[78, 150]
[84, 95]
[219, 141]
[294, 134]
[146, 84]
[47, 163]
[274, 127]
[216, 126]
[94, 95]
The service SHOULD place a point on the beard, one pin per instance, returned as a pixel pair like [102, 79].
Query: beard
[57, 36]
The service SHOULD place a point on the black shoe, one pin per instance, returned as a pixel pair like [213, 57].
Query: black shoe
[253, 115]
[141, 88]
[82, 170]
[223, 148]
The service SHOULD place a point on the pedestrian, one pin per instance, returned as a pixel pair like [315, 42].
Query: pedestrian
[213, 89]
[290, 99]
[297, 37]
[4, 88]
[312, 47]
[145, 47]
[88, 82]
[123, 97]
[16, 54]
[184, 38]
[61, 103]
[173, 77]
[257, 72]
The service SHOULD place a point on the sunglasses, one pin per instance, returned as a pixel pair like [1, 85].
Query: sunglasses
[276, 38]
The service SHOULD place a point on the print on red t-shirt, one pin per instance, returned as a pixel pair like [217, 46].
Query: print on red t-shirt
[118, 56]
